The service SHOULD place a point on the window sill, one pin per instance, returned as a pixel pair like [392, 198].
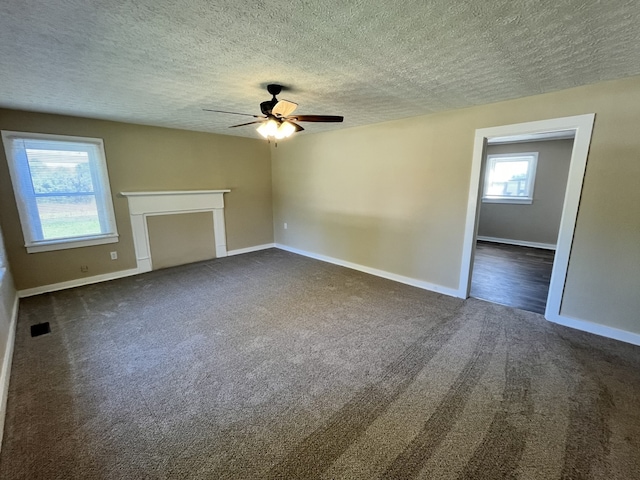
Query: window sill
[71, 243]
[517, 201]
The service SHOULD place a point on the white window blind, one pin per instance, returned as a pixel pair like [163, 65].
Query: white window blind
[62, 190]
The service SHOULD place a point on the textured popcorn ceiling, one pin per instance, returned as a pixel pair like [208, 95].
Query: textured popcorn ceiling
[159, 62]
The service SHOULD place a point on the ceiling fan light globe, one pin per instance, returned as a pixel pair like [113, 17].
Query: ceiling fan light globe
[285, 130]
[268, 129]
[262, 130]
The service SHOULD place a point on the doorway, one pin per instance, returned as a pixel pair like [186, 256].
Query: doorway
[523, 188]
[581, 127]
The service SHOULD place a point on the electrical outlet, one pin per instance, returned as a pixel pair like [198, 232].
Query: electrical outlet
[114, 255]
[285, 225]
[84, 268]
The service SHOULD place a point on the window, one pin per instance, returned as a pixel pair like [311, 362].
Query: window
[62, 190]
[509, 178]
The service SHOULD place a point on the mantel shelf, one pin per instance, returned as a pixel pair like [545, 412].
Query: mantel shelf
[171, 192]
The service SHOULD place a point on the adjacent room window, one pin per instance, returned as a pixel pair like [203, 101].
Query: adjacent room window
[62, 190]
[509, 178]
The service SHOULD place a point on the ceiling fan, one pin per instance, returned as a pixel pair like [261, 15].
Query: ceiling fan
[277, 121]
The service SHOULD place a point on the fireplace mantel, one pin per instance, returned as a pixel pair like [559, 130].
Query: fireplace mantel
[144, 204]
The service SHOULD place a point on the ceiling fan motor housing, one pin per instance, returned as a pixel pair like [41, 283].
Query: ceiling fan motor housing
[267, 106]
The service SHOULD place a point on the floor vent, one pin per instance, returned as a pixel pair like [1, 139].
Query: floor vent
[40, 329]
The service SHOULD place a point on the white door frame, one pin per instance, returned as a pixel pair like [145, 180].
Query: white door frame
[582, 125]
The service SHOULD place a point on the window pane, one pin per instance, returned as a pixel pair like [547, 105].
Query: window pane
[505, 171]
[59, 171]
[68, 216]
[508, 178]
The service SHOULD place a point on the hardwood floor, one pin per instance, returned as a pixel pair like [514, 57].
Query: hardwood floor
[512, 275]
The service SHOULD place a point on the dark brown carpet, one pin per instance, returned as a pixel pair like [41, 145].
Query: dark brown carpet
[271, 365]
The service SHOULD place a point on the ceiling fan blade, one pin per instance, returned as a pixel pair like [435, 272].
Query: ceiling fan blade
[232, 113]
[317, 118]
[248, 123]
[299, 128]
[284, 108]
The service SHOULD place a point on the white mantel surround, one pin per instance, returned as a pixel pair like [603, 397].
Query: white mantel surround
[144, 204]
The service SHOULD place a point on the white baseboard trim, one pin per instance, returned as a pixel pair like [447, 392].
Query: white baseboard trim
[6, 365]
[520, 243]
[256, 248]
[597, 329]
[29, 292]
[144, 265]
[452, 292]
[583, 325]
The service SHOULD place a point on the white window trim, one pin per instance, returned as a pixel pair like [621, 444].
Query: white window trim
[35, 246]
[531, 178]
[63, 244]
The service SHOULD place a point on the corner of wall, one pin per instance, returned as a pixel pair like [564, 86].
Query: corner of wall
[5, 373]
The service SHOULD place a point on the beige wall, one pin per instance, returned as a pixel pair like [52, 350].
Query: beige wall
[180, 238]
[540, 221]
[393, 196]
[143, 158]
